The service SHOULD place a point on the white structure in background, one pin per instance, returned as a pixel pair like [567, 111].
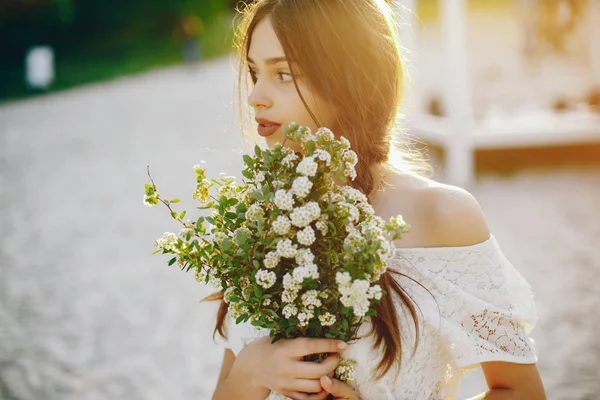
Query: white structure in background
[459, 134]
[39, 67]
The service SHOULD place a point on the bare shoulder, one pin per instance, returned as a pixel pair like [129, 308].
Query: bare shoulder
[457, 216]
[448, 216]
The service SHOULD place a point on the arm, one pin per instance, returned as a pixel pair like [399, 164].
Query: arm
[235, 384]
[511, 381]
[459, 221]
[280, 368]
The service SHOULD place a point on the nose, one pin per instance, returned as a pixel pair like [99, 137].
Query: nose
[258, 97]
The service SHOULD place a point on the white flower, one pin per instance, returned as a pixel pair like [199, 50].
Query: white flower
[345, 143]
[372, 228]
[202, 193]
[290, 284]
[304, 256]
[271, 260]
[236, 310]
[348, 210]
[398, 222]
[314, 211]
[374, 292]
[327, 319]
[167, 242]
[282, 225]
[201, 275]
[304, 317]
[310, 299]
[260, 177]
[265, 278]
[342, 278]
[322, 155]
[355, 295]
[289, 311]
[305, 271]
[354, 239]
[301, 186]
[306, 236]
[324, 134]
[350, 156]
[288, 160]
[353, 194]
[307, 167]
[349, 171]
[219, 237]
[286, 249]
[288, 296]
[366, 208]
[346, 370]
[254, 212]
[266, 302]
[284, 200]
[308, 136]
[300, 217]
[322, 226]
[215, 283]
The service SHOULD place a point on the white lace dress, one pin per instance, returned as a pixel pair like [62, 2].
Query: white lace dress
[478, 308]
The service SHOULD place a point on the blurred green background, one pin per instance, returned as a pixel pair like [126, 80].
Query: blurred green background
[95, 40]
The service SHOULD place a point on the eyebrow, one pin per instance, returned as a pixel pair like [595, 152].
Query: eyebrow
[270, 61]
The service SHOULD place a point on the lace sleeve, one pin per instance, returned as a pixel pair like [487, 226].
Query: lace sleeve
[487, 307]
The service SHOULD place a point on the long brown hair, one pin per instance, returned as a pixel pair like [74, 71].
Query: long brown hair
[349, 53]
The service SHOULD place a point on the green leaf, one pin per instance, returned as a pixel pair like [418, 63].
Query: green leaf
[240, 319]
[210, 220]
[174, 214]
[248, 160]
[371, 313]
[247, 174]
[258, 291]
[258, 196]
[255, 263]
[172, 261]
[234, 299]
[182, 215]
[231, 215]
[257, 151]
[175, 200]
[266, 189]
[226, 244]
[345, 324]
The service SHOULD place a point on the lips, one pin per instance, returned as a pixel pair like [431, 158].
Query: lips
[266, 127]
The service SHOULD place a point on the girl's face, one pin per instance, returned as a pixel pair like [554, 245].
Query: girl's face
[274, 97]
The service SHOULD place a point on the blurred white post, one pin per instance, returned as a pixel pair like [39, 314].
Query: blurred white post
[594, 47]
[408, 26]
[39, 67]
[460, 151]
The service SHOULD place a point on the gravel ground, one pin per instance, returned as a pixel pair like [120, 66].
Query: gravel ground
[87, 313]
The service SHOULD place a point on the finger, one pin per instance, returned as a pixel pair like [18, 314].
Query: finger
[337, 388]
[314, 370]
[323, 395]
[304, 385]
[304, 346]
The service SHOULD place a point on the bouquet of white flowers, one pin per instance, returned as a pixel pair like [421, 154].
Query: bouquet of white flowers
[292, 250]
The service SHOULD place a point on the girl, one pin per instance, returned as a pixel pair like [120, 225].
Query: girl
[454, 302]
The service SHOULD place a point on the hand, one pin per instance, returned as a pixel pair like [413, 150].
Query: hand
[281, 367]
[339, 390]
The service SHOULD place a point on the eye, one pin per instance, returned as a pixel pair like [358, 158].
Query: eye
[253, 75]
[285, 77]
